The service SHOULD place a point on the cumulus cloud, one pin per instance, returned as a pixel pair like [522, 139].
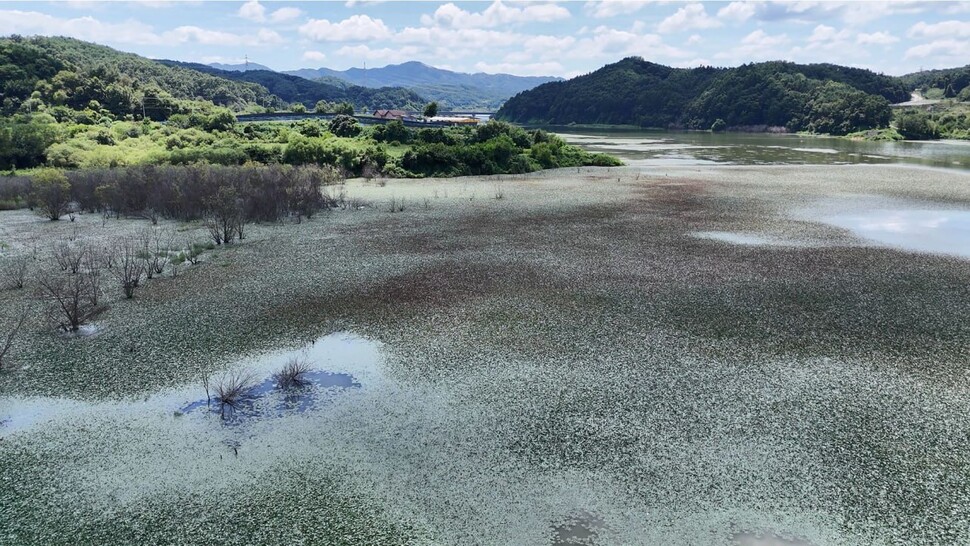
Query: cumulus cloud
[387, 55]
[602, 9]
[941, 51]
[876, 38]
[473, 39]
[550, 68]
[691, 16]
[185, 34]
[922, 29]
[496, 14]
[611, 43]
[283, 15]
[757, 46]
[738, 12]
[314, 56]
[252, 10]
[83, 28]
[825, 33]
[356, 28]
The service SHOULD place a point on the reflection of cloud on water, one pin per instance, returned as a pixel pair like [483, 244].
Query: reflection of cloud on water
[905, 222]
[945, 231]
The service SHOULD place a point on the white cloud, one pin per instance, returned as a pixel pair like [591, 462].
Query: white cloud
[944, 28]
[385, 54]
[756, 46]
[474, 39]
[827, 34]
[694, 39]
[693, 63]
[611, 43]
[83, 28]
[497, 14]
[602, 9]
[738, 11]
[548, 46]
[356, 28]
[252, 10]
[828, 44]
[532, 69]
[314, 56]
[691, 16]
[941, 51]
[876, 38]
[283, 15]
[761, 38]
[185, 34]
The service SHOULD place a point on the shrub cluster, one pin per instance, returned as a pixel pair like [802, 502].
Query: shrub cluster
[494, 148]
[262, 194]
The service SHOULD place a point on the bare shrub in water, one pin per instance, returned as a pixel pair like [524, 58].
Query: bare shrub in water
[291, 375]
[72, 299]
[15, 272]
[129, 267]
[230, 389]
[13, 326]
[69, 257]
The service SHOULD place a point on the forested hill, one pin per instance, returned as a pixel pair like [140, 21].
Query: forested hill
[294, 89]
[821, 97]
[81, 76]
[954, 82]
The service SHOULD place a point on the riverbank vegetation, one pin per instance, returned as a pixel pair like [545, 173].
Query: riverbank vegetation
[29, 141]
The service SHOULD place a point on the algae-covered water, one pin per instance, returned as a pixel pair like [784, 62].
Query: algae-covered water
[652, 354]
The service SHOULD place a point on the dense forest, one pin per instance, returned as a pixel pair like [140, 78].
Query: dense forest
[820, 98]
[294, 89]
[72, 78]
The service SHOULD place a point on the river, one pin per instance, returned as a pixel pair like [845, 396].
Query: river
[661, 148]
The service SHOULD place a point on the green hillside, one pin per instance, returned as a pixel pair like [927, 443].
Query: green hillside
[822, 98]
[294, 89]
[64, 74]
[947, 83]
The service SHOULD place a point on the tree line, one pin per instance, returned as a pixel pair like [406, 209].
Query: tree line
[820, 98]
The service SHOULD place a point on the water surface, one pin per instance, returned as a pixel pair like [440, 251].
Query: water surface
[671, 148]
[897, 223]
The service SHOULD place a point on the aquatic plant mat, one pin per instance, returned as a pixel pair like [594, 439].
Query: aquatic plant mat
[568, 357]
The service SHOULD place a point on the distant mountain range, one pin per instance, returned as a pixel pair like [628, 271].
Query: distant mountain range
[242, 67]
[296, 89]
[452, 90]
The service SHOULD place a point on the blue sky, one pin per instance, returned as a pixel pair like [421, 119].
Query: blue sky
[526, 38]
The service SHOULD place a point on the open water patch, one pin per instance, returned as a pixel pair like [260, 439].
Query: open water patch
[268, 399]
[749, 239]
[338, 362]
[899, 224]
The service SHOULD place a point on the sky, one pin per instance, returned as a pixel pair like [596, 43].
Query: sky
[516, 37]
